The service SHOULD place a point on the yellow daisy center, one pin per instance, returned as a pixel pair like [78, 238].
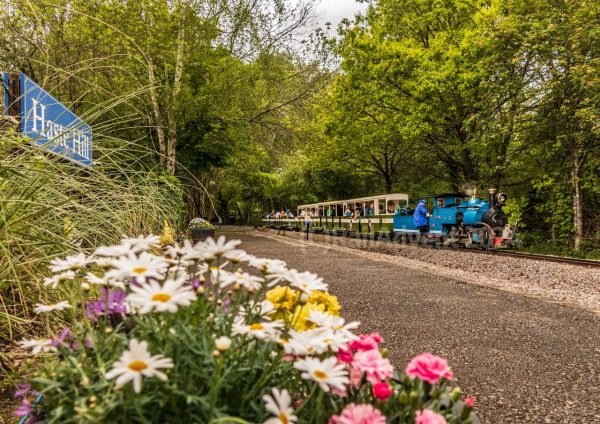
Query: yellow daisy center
[140, 270]
[320, 375]
[283, 418]
[161, 297]
[257, 326]
[137, 366]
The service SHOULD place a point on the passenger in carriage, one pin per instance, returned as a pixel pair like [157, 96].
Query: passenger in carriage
[440, 203]
[391, 206]
[420, 217]
[302, 213]
[347, 212]
[369, 211]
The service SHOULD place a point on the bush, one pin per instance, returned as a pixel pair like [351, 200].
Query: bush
[191, 337]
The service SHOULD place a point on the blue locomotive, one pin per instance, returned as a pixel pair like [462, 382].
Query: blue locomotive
[460, 220]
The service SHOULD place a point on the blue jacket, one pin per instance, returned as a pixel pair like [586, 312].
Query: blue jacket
[420, 216]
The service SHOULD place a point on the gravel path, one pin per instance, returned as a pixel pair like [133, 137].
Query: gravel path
[567, 284]
[523, 359]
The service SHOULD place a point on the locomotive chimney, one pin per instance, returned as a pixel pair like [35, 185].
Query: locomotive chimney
[492, 197]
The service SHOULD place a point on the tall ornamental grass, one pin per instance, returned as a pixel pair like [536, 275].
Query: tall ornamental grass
[50, 206]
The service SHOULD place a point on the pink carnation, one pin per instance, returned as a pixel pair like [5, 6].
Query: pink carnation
[355, 377]
[429, 368]
[374, 365]
[382, 391]
[427, 416]
[344, 356]
[469, 402]
[358, 414]
[365, 342]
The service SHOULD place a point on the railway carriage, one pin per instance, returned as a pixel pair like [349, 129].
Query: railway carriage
[456, 219]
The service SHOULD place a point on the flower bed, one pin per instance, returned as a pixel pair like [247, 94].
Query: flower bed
[187, 335]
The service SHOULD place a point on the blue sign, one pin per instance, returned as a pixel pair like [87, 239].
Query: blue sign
[51, 125]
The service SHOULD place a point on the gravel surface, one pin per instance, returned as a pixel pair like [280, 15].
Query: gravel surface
[524, 359]
[573, 285]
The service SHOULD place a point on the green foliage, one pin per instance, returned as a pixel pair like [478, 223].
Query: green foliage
[468, 93]
[225, 343]
[51, 207]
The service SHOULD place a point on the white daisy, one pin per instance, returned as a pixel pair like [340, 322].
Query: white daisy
[141, 243]
[305, 281]
[212, 249]
[40, 308]
[168, 297]
[183, 252]
[247, 281]
[260, 330]
[236, 256]
[328, 373]
[140, 267]
[218, 274]
[274, 269]
[95, 280]
[191, 252]
[280, 405]
[37, 346]
[305, 343]
[326, 320]
[113, 251]
[56, 279]
[70, 263]
[137, 362]
[333, 340]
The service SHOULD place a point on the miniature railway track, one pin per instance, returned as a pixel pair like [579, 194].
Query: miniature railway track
[590, 263]
[532, 256]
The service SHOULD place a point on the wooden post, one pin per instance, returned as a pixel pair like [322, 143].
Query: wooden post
[14, 95]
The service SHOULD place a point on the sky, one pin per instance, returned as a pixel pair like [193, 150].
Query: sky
[335, 10]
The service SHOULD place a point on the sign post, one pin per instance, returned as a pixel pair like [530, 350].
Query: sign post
[45, 121]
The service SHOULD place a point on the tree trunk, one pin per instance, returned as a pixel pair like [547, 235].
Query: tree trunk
[388, 184]
[172, 138]
[162, 150]
[577, 202]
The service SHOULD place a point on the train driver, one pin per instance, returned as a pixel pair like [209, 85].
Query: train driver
[420, 217]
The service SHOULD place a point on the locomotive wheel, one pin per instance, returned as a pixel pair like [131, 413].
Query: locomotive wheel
[488, 238]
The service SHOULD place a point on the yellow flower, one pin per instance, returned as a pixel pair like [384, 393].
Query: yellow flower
[330, 302]
[283, 297]
[166, 238]
[300, 317]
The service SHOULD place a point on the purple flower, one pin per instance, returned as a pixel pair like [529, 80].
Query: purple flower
[195, 283]
[26, 408]
[24, 388]
[226, 305]
[114, 299]
[68, 340]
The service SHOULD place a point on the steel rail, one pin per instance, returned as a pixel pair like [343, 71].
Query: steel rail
[590, 263]
[548, 258]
